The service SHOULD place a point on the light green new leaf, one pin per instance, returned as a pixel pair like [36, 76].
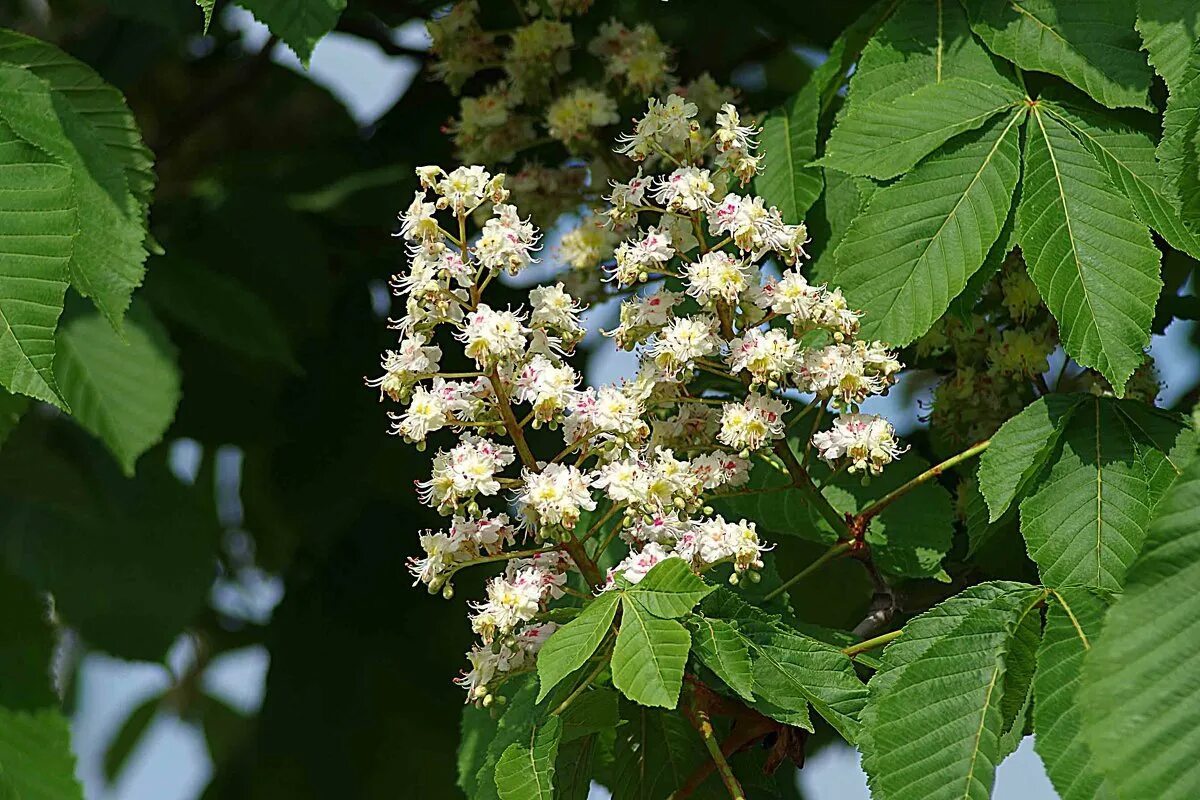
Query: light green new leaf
[525, 770]
[98, 103]
[1091, 43]
[722, 649]
[1128, 156]
[573, 644]
[36, 762]
[1073, 620]
[1139, 712]
[106, 263]
[206, 6]
[1020, 449]
[1168, 28]
[1092, 261]
[124, 392]
[648, 660]
[1086, 521]
[883, 141]
[788, 145]
[948, 749]
[670, 589]
[37, 228]
[299, 23]
[921, 43]
[911, 252]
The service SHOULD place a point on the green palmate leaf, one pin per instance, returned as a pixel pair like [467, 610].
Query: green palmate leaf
[1087, 519]
[1092, 261]
[1176, 149]
[1091, 43]
[574, 643]
[36, 762]
[655, 753]
[124, 392]
[1020, 662]
[918, 242]
[106, 263]
[206, 6]
[670, 589]
[883, 141]
[37, 226]
[594, 711]
[1168, 28]
[575, 766]
[222, 309]
[831, 75]
[1128, 155]
[788, 142]
[649, 657]
[722, 649]
[1165, 444]
[476, 731]
[100, 105]
[12, 406]
[516, 725]
[525, 770]
[299, 23]
[1138, 720]
[912, 535]
[963, 305]
[1020, 449]
[844, 198]
[980, 529]
[922, 43]
[1073, 621]
[915, 748]
[792, 670]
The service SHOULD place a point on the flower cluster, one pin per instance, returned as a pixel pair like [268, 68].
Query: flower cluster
[724, 351]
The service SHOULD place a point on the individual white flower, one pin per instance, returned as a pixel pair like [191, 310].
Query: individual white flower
[626, 198]
[484, 663]
[683, 341]
[550, 388]
[586, 246]
[713, 541]
[750, 424]
[769, 356]
[486, 533]
[867, 441]
[666, 125]
[687, 189]
[717, 275]
[404, 367]
[835, 314]
[641, 317]
[847, 374]
[663, 528]
[635, 259]
[609, 413]
[556, 496]
[635, 566]
[556, 310]
[463, 189]
[792, 296]
[731, 134]
[720, 468]
[426, 413]
[417, 222]
[507, 241]
[493, 336]
[467, 469]
[509, 603]
[547, 569]
[625, 480]
[441, 554]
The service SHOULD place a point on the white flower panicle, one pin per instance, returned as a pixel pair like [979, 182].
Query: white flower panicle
[637, 463]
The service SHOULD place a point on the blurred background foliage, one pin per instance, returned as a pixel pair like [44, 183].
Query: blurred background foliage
[274, 208]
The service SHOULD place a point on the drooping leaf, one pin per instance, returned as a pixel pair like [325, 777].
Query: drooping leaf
[1139, 722]
[655, 753]
[1020, 449]
[1090, 258]
[1165, 443]
[476, 730]
[649, 657]
[670, 589]
[788, 144]
[918, 242]
[883, 141]
[844, 198]
[299, 23]
[124, 392]
[37, 227]
[594, 711]
[1073, 620]
[121, 746]
[1091, 43]
[1168, 28]
[525, 770]
[1176, 150]
[719, 647]
[1001, 251]
[915, 748]
[27, 642]
[1020, 662]
[1128, 155]
[573, 644]
[1086, 521]
[36, 762]
[107, 261]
